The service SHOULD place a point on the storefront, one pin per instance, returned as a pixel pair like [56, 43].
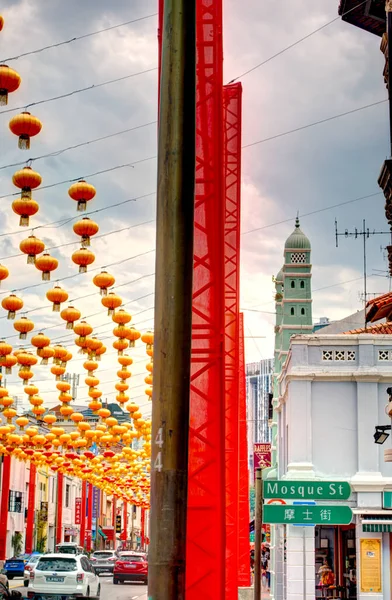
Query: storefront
[335, 549]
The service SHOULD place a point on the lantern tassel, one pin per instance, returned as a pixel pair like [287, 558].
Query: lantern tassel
[44, 361]
[31, 259]
[22, 335]
[26, 193]
[11, 314]
[46, 276]
[23, 221]
[24, 142]
[8, 370]
[103, 291]
[82, 269]
[132, 343]
[69, 325]
[82, 204]
[3, 97]
[56, 307]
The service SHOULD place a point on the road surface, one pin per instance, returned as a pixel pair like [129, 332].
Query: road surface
[124, 591]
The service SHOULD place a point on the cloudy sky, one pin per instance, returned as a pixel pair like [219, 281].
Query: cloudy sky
[336, 70]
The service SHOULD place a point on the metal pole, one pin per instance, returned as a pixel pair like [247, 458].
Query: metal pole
[364, 268]
[258, 536]
[5, 490]
[304, 561]
[173, 302]
[389, 33]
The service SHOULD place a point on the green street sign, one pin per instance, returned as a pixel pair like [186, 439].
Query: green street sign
[307, 490]
[307, 515]
[252, 537]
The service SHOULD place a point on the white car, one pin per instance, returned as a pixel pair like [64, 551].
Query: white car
[30, 566]
[63, 574]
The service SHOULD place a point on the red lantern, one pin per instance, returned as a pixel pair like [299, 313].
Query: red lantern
[10, 80]
[104, 281]
[83, 258]
[3, 273]
[26, 179]
[46, 264]
[25, 126]
[57, 295]
[82, 193]
[1, 23]
[25, 208]
[86, 228]
[31, 246]
[12, 303]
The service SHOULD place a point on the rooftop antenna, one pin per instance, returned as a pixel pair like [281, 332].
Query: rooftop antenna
[365, 233]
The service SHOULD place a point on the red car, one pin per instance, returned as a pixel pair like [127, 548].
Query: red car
[131, 566]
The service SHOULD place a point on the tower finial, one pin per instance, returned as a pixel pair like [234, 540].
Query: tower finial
[297, 220]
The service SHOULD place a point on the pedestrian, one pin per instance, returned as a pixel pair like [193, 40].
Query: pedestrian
[265, 567]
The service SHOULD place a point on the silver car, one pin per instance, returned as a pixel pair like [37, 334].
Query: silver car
[30, 567]
[103, 561]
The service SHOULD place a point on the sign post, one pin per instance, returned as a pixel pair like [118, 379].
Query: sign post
[305, 515]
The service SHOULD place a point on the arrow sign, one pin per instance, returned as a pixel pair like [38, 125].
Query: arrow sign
[307, 515]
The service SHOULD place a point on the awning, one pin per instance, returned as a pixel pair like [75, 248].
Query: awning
[101, 533]
[376, 528]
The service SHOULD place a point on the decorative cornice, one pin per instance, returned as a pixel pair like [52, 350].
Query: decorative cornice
[286, 300]
[300, 275]
[299, 327]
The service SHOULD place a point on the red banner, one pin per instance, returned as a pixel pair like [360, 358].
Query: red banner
[261, 456]
[78, 511]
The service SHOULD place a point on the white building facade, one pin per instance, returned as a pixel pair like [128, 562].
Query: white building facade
[331, 395]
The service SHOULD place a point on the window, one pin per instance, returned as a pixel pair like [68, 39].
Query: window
[56, 564]
[293, 284]
[302, 285]
[292, 312]
[67, 494]
[298, 257]
[15, 501]
[302, 311]
[85, 564]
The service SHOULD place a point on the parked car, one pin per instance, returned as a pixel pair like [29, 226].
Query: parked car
[63, 574]
[131, 566]
[69, 548]
[15, 566]
[103, 561]
[29, 567]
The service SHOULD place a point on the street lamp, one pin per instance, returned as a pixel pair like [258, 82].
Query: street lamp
[380, 434]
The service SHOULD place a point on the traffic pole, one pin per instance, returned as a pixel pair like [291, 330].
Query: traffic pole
[59, 520]
[173, 302]
[5, 491]
[258, 536]
[31, 510]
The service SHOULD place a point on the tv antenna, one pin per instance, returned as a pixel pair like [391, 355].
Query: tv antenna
[364, 233]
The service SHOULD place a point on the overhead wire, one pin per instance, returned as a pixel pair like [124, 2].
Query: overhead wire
[296, 43]
[77, 38]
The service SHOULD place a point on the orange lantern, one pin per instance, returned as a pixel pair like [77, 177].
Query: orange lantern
[148, 339]
[12, 303]
[121, 331]
[22, 422]
[95, 405]
[125, 360]
[57, 296]
[122, 398]
[82, 192]
[5, 349]
[121, 317]
[132, 336]
[25, 208]
[26, 179]
[23, 326]
[91, 381]
[98, 353]
[104, 281]
[36, 400]
[90, 366]
[46, 264]
[148, 379]
[25, 126]
[77, 417]
[83, 257]
[1, 23]
[3, 273]
[121, 387]
[82, 329]
[86, 228]
[120, 345]
[66, 411]
[94, 393]
[31, 390]
[149, 367]
[70, 315]
[9, 82]
[124, 373]
[46, 353]
[63, 386]
[93, 344]
[26, 359]
[31, 246]
[8, 362]
[111, 302]
[40, 341]
[57, 371]
[149, 391]
[59, 354]
[9, 413]
[66, 358]
[65, 398]
[50, 419]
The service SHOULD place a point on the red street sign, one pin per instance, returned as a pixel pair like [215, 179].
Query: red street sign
[261, 456]
[78, 511]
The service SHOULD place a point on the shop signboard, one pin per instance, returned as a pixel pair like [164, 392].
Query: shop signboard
[43, 513]
[78, 511]
[261, 457]
[371, 566]
[307, 490]
[307, 515]
[118, 523]
[95, 502]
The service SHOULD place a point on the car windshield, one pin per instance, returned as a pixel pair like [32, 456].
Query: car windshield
[56, 564]
[103, 554]
[66, 549]
[133, 557]
[34, 559]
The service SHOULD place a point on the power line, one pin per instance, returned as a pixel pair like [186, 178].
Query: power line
[279, 135]
[313, 212]
[80, 145]
[305, 37]
[75, 39]
[94, 86]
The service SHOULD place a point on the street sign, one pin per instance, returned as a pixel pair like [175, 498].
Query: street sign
[306, 515]
[309, 490]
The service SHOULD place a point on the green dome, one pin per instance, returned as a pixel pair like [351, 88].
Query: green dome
[297, 240]
[279, 277]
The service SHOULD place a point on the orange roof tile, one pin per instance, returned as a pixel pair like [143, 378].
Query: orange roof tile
[379, 328]
[379, 308]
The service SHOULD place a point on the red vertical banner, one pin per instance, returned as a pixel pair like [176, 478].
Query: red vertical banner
[78, 511]
[5, 492]
[30, 510]
[125, 532]
[89, 531]
[243, 499]
[82, 540]
[261, 457]
[142, 527]
[232, 98]
[59, 520]
[205, 563]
